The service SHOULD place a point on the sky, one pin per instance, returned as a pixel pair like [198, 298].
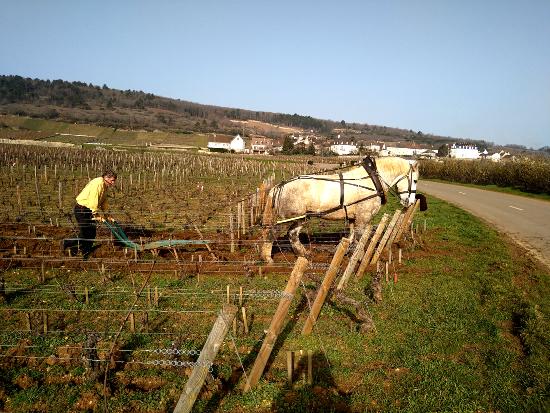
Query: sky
[467, 69]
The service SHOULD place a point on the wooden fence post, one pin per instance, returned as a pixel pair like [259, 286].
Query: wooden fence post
[372, 245]
[276, 323]
[385, 238]
[393, 236]
[207, 356]
[289, 366]
[358, 253]
[406, 220]
[325, 285]
[231, 232]
[414, 209]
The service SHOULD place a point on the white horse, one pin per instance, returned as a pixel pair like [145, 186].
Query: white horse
[356, 194]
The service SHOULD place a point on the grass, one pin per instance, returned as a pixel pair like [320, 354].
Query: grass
[454, 334]
[464, 329]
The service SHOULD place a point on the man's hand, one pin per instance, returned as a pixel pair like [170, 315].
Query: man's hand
[98, 218]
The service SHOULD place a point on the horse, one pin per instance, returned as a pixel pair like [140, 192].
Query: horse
[355, 194]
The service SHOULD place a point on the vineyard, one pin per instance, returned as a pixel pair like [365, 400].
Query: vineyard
[524, 174]
[123, 331]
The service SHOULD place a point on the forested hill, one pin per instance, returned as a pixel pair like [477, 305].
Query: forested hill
[101, 105]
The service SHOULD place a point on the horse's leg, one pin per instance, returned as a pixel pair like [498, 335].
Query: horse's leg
[294, 237]
[351, 229]
[267, 244]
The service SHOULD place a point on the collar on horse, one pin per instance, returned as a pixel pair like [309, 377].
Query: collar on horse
[370, 166]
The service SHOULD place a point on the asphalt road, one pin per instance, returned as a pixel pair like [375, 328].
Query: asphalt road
[525, 220]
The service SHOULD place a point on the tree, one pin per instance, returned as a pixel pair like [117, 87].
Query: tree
[288, 145]
[311, 149]
[443, 151]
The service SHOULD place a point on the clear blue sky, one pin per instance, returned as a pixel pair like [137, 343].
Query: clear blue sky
[463, 68]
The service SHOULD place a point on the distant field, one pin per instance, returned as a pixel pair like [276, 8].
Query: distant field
[102, 134]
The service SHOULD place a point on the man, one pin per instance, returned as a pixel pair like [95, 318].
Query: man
[86, 211]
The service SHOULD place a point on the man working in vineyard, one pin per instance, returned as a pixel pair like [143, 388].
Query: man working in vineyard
[86, 211]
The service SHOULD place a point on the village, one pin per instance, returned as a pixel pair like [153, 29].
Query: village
[346, 147]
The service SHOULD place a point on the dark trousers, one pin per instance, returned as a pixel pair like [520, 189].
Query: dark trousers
[87, 231]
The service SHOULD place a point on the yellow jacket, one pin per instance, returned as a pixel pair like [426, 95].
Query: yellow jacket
[94, 195]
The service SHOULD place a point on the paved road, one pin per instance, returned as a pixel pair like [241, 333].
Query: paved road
[526, 220]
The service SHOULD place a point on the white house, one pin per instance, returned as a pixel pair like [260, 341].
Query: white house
[429, 154]
[372, 147]
[396, 151]
[464, 151]
[225, 143]
[344, 147]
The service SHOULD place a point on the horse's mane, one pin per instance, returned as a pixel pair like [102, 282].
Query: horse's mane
[393, 165]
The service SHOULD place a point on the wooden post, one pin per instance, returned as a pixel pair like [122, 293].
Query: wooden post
[245, 322]
[358, 253]
[60, 194]
[231, 232]
[19, 204]
[289, 366]
[301, 360]
[310, 367]
[45, 322]
[86, 297]
[325, 285]
[205, 360]
[414, 209]
[238, 220]
[28, 323]
[276, 323]
[407, 219]
[42, 272]
[132, 323]
[372, 245]
[385, 238]
[38, 193]
[243, 220]
[394, 232]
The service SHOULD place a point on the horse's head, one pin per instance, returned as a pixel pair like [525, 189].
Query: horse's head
[405, 178]
[406, 185]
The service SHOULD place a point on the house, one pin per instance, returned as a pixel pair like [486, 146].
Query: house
[342, 147]
[226, 144]
[428, 154]
[261, 144]
[464, 151]
[398, 151]
[371, 147]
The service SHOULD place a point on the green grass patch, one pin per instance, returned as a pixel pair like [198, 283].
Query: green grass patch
[464, 329]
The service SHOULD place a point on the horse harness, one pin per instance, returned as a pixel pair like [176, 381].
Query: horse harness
[369, 164]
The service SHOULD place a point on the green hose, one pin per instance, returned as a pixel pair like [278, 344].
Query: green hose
[121, 236]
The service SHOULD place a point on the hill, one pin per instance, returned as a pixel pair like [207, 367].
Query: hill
[136, 110]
